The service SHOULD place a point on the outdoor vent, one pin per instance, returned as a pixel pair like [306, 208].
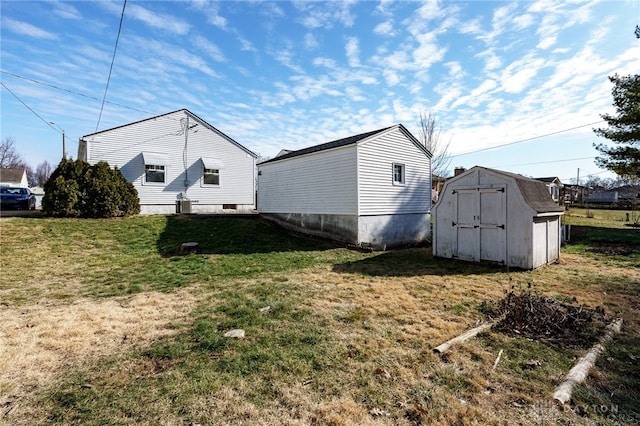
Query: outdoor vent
[183, 206]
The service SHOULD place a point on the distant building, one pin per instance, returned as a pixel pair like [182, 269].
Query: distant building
[554, 186]
[13, 177]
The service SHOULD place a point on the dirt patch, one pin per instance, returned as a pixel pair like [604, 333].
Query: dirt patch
[612, 249]
[41, 341]
[545, 318]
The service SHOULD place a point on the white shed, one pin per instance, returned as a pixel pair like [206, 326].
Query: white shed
[496, 216]
[178, 162]
[371, 189]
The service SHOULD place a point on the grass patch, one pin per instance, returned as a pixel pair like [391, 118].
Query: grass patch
[111, 325]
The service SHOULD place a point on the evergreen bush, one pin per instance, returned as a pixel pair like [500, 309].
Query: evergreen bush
[76, 189]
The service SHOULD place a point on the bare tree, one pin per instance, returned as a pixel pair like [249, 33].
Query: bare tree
[9, 157]
[43, 171]
[429, 135]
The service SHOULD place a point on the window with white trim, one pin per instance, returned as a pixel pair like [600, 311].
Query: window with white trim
[398, 174]
[154, 173]
[211, 176]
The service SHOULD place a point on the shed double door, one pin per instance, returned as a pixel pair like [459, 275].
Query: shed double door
[479, 224]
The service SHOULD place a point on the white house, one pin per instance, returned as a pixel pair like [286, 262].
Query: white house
[490, 215]
[178, 163]
[13, 177]
[554, 185]
[372, 189]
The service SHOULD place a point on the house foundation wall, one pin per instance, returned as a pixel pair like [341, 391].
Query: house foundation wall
[379, 232]
[383, 231]
[197, 209]
[342, 228]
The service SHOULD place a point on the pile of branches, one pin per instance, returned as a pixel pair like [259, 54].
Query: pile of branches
[544, 318]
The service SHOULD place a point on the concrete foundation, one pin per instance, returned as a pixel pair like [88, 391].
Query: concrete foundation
[378, 232]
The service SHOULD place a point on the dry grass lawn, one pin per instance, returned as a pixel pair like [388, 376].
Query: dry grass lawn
[376, 323]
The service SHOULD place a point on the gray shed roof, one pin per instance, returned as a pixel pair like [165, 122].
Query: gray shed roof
[535, 192]
[283, 154]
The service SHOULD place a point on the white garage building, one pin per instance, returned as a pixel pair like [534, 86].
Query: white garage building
[371, 189]
[496, 216]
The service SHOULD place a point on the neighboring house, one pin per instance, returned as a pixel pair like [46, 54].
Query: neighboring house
[38, 191]
[178, 163]
[372, 189]
[490, 215]
[13, 177]
[554, 186]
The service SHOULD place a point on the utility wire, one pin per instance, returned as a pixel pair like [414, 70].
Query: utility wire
[53, 86]
[527, 139]
[113, 59]
[28, 107]
[547, 162]
[48, 123]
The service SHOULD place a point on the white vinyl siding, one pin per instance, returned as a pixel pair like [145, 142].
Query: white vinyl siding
[124, 147]
[320, 183]
[378, 193]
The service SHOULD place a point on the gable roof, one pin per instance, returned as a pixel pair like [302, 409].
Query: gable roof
[533, 191]
[549, 179]
[350, 140]
[12, 175]
[186, 111]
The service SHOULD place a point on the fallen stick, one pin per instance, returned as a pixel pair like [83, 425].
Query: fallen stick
[461, 338]
[580, 371]
[495, 364]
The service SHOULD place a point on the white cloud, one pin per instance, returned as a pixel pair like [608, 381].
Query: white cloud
[156, 20]
[428, 53]
[27, 29]
[66, 10]
[384, 28]
[325, 14]
[352, 51]
[310, 41]
[209, 48]
[391, 77]
[517, 76]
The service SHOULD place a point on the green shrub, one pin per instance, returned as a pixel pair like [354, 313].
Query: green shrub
[77, 189]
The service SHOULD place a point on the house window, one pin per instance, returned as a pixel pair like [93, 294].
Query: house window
[155, 168]
[154, 173]
[398, 174]
[211, 176]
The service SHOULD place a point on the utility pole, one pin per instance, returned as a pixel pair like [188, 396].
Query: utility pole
[64, 141]
[578, 182]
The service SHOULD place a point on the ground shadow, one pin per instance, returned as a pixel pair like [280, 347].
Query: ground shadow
[612, 241]
[232, 234]
[415, 262]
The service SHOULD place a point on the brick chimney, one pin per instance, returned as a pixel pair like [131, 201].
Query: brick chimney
[459, 170]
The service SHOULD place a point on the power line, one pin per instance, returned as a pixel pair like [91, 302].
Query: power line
[527, 139]
[113, 59]
[547, 162]
[28, 107]
[53, 86]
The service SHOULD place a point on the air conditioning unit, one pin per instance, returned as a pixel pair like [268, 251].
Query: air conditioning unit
[183, 206]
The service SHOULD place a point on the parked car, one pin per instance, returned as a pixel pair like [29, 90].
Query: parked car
[17, 198]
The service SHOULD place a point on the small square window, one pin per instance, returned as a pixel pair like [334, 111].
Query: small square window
[398, 174]
[154, 173]
[211, 177]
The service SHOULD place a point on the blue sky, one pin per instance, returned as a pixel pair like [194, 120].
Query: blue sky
[516, 85]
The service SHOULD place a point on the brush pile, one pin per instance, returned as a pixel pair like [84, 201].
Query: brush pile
[544, 318]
